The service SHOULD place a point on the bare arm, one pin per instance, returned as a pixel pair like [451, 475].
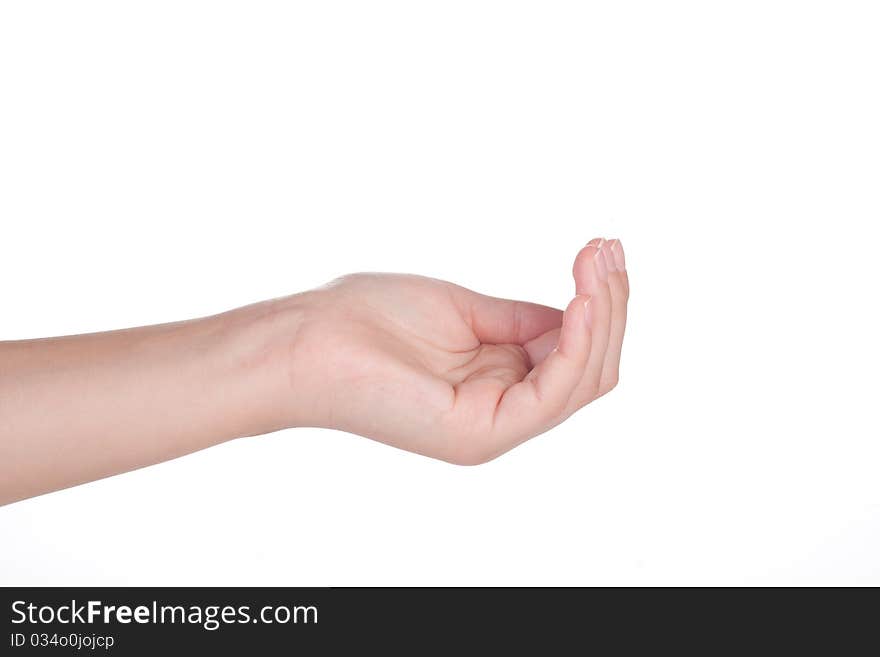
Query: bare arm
[413, 362]
[78, 408]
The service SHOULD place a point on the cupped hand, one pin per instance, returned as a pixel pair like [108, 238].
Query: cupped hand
[434, 368]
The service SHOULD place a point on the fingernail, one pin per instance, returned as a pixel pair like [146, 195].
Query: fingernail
[601, 267]
[588, 312]
[609, 257]
[619, 258]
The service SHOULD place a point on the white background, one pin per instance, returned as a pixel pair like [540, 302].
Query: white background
[160, 161]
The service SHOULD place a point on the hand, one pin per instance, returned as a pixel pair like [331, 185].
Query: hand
[413, 362]
[434, 368]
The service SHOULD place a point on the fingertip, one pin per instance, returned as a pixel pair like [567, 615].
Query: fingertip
[608, 254]
[600, 261]
[619, 256]
[576, 323]
[586, 266]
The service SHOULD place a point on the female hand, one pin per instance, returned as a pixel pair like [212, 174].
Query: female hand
[434, 368]
[414, 362]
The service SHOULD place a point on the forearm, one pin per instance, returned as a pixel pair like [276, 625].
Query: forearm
[78, 408]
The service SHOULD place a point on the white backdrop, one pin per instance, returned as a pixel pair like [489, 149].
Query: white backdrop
[166, 160]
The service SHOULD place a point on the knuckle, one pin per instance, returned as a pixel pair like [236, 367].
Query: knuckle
[589, 392]
[556, 406]
[345, 279]
[469, 451]
[608, 385]
[468, 461]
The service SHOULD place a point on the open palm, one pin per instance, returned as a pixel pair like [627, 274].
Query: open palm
[437, 369]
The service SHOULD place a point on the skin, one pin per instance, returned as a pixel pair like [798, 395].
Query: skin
[413, 362]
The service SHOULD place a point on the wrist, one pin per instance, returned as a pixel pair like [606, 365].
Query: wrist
[258, 348]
